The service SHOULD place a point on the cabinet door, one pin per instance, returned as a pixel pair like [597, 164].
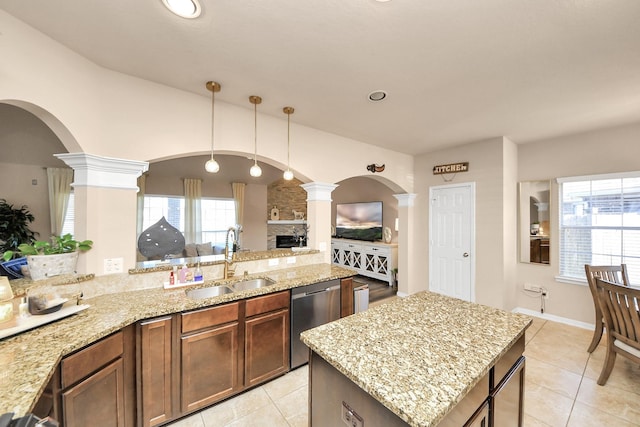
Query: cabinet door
[266, 347]
[209, 366]
[154, 371]
[507, 400]
[353, 256]
[98, 400]
[480, 418]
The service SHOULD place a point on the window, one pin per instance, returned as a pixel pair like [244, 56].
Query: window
[69, 218]
[217, 215]
[600, 223]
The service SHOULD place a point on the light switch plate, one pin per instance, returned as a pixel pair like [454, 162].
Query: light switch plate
[113, 265]
[273, 262]
[291, 260]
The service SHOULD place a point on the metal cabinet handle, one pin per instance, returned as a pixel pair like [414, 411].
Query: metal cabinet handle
[466, 254]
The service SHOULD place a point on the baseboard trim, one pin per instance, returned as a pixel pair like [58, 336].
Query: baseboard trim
[401, 294]
[554, 318]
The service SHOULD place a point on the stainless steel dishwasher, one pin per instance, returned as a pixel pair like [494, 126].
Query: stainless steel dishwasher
[311, 306]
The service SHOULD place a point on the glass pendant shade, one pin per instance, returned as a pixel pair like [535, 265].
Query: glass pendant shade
[255, 170]
[212, 166]
[288, 175]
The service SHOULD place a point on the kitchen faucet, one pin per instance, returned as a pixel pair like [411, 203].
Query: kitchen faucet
[228, 260]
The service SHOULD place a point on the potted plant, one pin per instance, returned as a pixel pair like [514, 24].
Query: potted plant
[47, 259]
[14, 226]
[14, 230]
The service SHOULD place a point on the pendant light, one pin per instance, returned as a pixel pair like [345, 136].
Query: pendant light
[288, 175]
[212, 166]
[255, 170]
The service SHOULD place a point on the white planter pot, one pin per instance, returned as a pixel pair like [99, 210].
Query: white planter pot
[45, 266]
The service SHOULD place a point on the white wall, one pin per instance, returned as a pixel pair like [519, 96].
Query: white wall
[603, 151]
[17, 188]
[491, 168]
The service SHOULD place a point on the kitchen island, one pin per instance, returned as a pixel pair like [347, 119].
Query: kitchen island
[423, 361]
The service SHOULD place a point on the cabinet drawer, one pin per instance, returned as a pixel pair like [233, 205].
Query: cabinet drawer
[85, 362]
[208, 317]
[267, 303]
[506, 362]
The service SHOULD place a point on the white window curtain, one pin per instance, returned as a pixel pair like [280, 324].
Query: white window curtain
[192, 214]
[142, 184]
[238, 198]
[59, 183]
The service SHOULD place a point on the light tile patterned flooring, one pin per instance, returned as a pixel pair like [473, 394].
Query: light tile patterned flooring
[560, 389]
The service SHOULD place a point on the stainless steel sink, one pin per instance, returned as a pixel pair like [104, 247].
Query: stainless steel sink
[210, 292]
[252, 284]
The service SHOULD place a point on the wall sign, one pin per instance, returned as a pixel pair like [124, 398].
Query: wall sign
[451, 168]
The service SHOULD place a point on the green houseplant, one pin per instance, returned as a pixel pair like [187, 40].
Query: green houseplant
[47, 259]
[14, 227]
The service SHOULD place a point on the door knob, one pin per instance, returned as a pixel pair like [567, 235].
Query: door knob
[466, 254]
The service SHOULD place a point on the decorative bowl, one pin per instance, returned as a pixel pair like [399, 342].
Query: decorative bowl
[42, 305]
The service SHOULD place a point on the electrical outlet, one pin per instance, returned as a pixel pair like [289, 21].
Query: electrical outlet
[273, 262]
[350, 417]
[530, 287]
[113, 265]
[291, 260]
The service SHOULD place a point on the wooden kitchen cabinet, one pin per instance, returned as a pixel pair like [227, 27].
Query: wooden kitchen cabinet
[98, 400]
[346, 297]
[266, 338]
[210, 356]
[155, 380]
[95, 385]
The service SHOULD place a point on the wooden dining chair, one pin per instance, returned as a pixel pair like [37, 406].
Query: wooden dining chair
[610, 273]
[619, 306]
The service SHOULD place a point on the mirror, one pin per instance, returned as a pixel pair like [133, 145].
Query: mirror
[534, 221]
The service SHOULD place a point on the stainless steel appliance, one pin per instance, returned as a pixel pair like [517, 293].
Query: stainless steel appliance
[311, 306]
[360, 298]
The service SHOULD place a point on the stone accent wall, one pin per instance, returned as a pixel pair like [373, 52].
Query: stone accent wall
[287, 196]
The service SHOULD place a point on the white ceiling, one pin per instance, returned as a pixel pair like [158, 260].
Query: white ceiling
[456, 71]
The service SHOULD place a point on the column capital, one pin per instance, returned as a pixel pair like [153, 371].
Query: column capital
[106, 172]
[319, 191]
[405, 199]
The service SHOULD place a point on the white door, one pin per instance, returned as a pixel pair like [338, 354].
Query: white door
[452, 240]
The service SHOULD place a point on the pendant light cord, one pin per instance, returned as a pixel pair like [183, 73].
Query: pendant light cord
[255, 134]
[213, 97]
[288, 140]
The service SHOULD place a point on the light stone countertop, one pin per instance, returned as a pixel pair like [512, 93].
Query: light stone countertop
[418, 356]
[28, 360]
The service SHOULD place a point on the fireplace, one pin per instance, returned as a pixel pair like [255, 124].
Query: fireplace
[283, 241]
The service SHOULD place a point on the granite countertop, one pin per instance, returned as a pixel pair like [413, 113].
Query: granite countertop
[421, 355]
[28, 360]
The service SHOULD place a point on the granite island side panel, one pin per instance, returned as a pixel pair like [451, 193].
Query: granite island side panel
[418, 356]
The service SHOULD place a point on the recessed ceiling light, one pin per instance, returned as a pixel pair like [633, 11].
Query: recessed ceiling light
[185, 8]
[377, 95]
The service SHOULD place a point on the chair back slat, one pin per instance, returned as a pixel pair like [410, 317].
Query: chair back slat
[620, 310]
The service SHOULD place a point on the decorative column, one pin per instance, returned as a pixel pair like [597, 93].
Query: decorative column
[319, 216]
[105, 192]
[407, 280]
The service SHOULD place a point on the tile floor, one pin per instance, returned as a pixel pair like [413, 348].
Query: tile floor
[560, 389]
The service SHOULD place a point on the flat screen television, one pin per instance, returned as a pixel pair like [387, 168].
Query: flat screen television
[359, 221]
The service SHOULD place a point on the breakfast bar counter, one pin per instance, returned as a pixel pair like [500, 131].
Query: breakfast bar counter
[418, 358]
[28, 360]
